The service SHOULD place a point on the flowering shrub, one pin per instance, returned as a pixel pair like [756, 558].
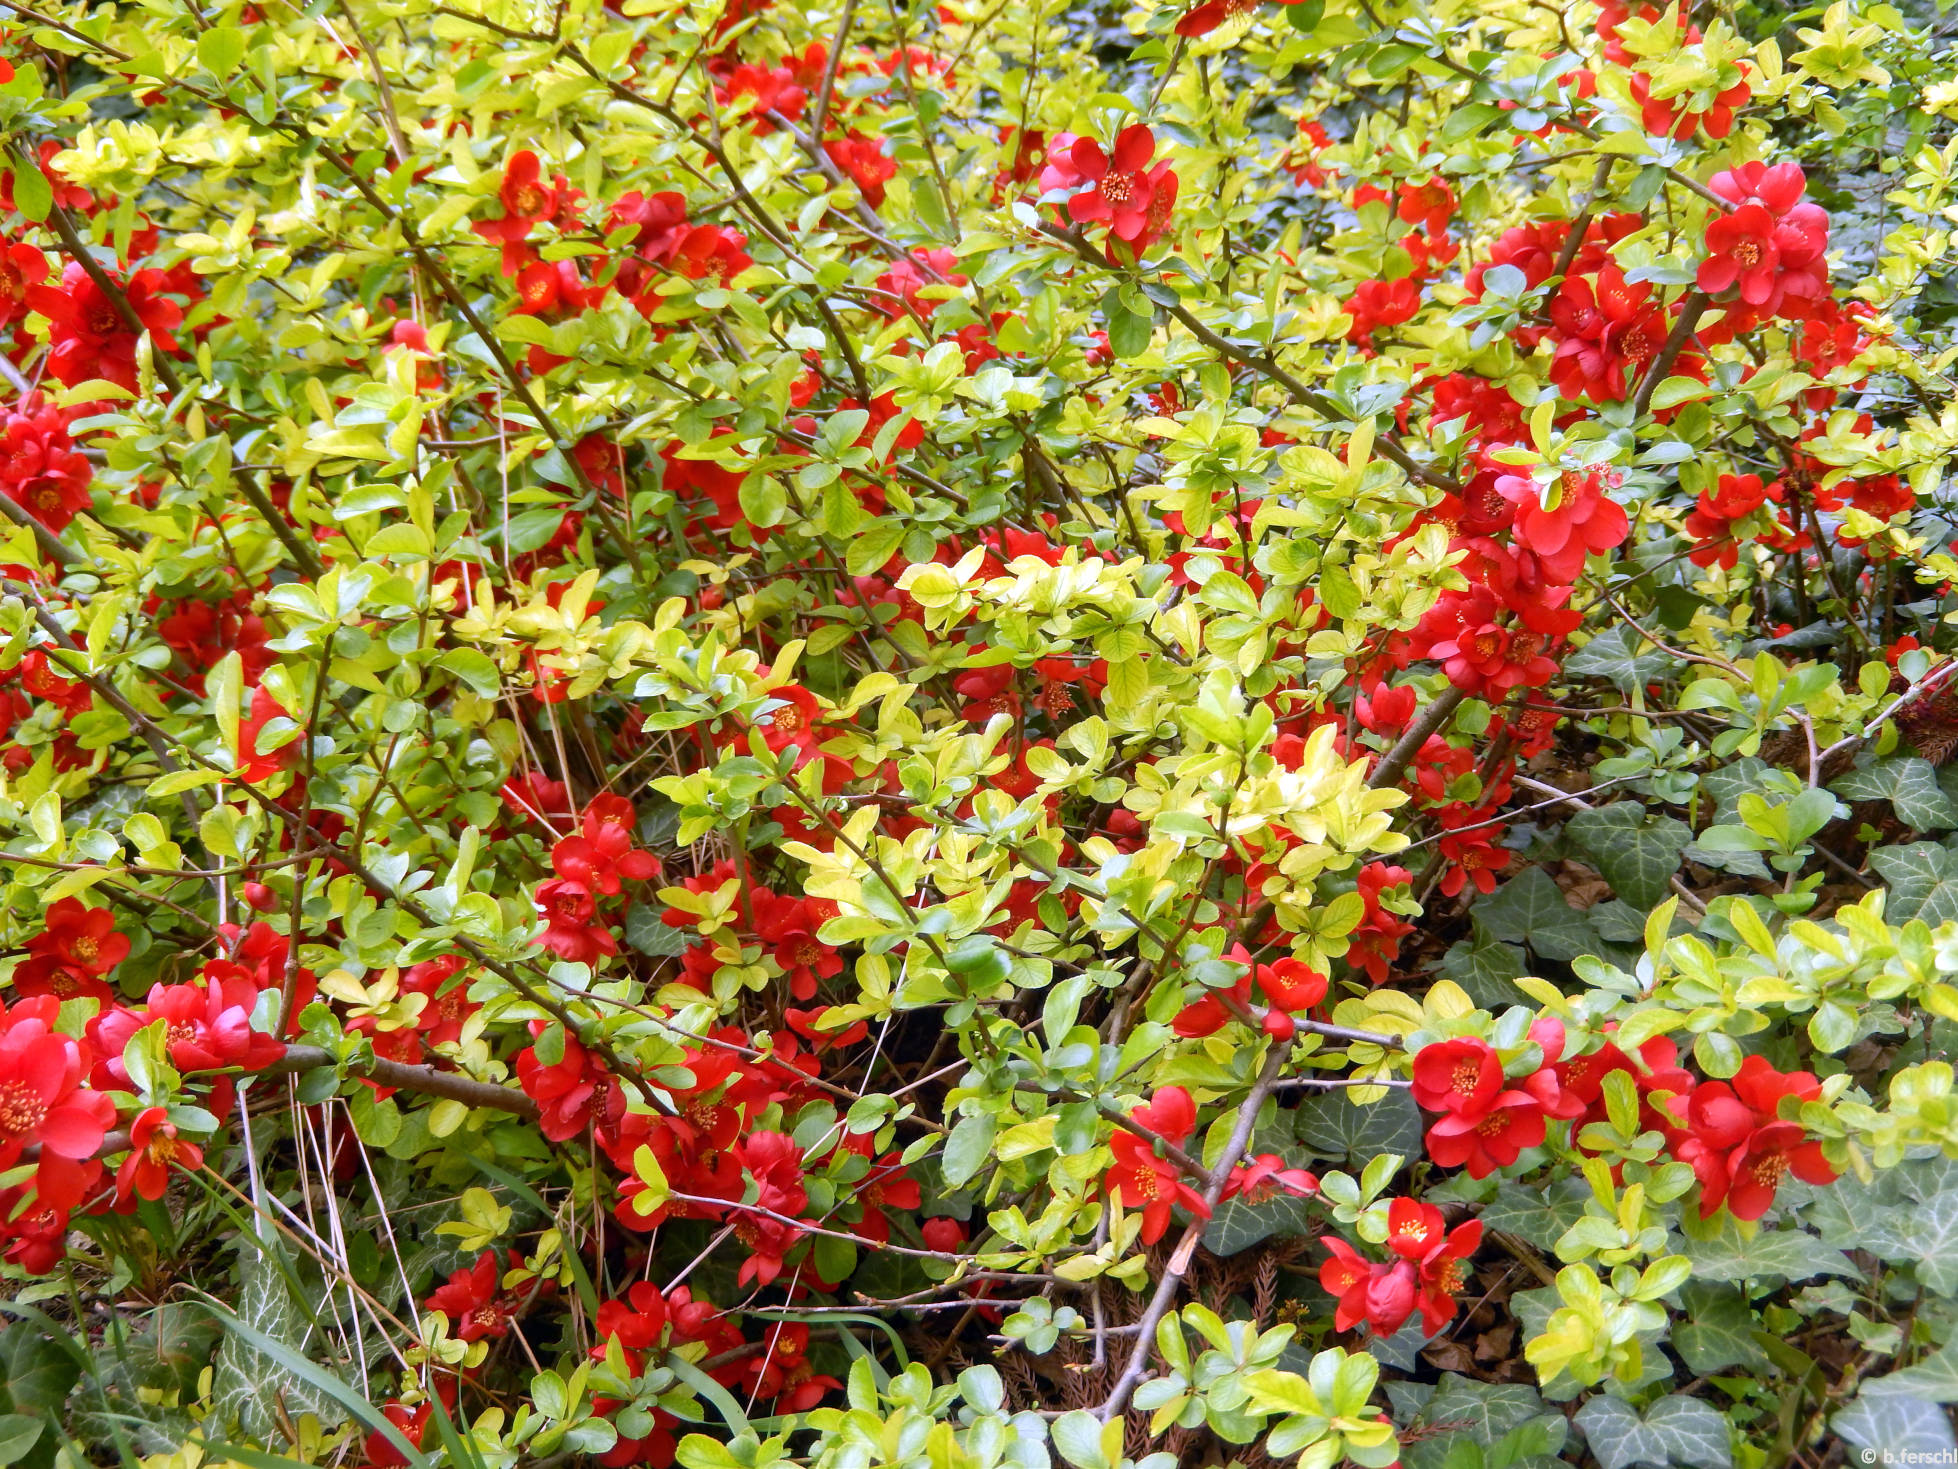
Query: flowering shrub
[1129, 735]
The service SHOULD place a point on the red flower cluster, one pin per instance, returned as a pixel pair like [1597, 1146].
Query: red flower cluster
[1773, 246]
[1738, 1142]
[40, 469]
[88, 336]
[1429, 1265]
[1140, 1178]
[1120, 188]
[594, 864]
[1287, 988]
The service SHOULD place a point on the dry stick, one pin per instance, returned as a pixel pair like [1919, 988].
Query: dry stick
[1186, 1247]
[1395, 761]
[1690, 311]
[426, 1080]
[818, 117]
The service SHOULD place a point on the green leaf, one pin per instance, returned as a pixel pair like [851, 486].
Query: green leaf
[1531, 909]
[1910, 785]
[1537, 1216]
[17, 1435]
[1674, 1430]
[1333, 1127]
[1784, 1254]
[968, 1147]
[1610, 655]
[1717, 1330]
[220, 49]
[1473, 1412]
[475, 669]
[33, 194]
[1128, 332]
[1923, 879]
[1935, 1379]
[1485, 967]
[1892, 1424]
[1637, 853]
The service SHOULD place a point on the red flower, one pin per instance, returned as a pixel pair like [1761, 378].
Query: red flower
[1585, 519]
[1607, 331]
[782, 1370]
[154, 1149]
[40, 468]
[567, 1092]
[22, 266]
[1512, 1121]
[411, 1423]
[42, 1099]
[87, 336]
[472, 1301]
[1380, 1294]
[1142, 1180]
[1375, 304]
[255, 765]
[943, 1235]
[1431, 204]
[603, 855]
[866, 163]
[1202, 19]
[1738, 1146]
[573, 929]
[82, 939]
[1444, 1270]
[206, 1027]
[1119, 189]
[1461, 1077]
[1260, 1178]
[1376, 940]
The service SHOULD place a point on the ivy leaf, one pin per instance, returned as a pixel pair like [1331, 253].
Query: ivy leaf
[1483, 1412]
[1923, 879]
[1530, 909]
[1935, 1379]
[1333, 1127]
[1923, 1235]
[646, 933]
[1892, 1423]
[1485, 967]
[1785, 1254]
[1675, 1430]
[1610, 655]
[1729, 783]
[1637, 853]
[1237, 1225]
[1718, 1330]
[1911, 787]
[1536, 1216]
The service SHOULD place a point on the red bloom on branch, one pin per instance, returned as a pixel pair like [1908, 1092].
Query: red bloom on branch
[602, 856]
[88, 337]
[1265, 1176]
[1607, 331]
[473, 1301]
[1119, 186]
[42, 1099]
[574, 929]
[1142, 1180]
[567, 1091]
[22, 267]
[81, 940]
[1584, 519]
[1461, 1076]
[154, 1149]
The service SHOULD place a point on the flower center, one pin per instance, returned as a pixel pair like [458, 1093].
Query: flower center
[1466, 1076]
[85, 947]
[1748, 252]
[529, 199]
[1118, 188]
[21, 1108]
[179, 1032]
